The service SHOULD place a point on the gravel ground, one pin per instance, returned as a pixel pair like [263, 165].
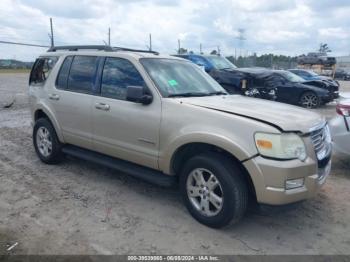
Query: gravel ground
[81, 208]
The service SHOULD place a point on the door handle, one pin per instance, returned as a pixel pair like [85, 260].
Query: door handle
[54, 97]
[102, 106]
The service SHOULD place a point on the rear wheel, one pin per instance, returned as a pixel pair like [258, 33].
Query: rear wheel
[213, 190]
[309, 100]
[46, 143]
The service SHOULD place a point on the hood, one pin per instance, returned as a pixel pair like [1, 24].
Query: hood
[328, 80]
[282, 116]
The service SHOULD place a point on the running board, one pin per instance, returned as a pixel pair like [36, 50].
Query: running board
[147, 174]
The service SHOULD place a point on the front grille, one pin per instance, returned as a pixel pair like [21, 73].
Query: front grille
[321, 139]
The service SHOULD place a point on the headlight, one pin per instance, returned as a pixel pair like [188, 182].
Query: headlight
[281, 146]
[272, 92]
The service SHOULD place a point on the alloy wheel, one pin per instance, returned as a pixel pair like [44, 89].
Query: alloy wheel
[309, 100]
[44, 141]
[205, 192]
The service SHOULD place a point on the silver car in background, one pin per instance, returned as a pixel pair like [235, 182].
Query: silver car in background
[340, 127]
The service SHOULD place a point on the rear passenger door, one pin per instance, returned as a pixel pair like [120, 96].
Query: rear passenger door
[121, 128]
[73, 96]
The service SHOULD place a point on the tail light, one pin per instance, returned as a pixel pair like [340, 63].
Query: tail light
[343, 110]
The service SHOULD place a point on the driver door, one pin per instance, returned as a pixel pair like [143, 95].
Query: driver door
[124, 129]
[283, 88]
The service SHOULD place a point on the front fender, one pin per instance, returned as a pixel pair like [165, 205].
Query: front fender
[236, 150]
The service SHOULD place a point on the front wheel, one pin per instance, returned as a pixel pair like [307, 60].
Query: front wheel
[309, 100]
[213, 190]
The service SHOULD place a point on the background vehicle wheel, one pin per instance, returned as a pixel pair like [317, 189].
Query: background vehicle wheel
[46, 143]
[213, 190]
[309, 100]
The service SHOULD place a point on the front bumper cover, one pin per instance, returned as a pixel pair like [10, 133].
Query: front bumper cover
[269, 177]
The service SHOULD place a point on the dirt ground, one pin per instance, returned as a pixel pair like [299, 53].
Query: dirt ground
[81, 208]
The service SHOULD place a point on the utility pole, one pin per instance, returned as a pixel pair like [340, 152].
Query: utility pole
[51, 36]
[150, 42]
[109, 36]
[219, 50]
[179, 46]
[200, 48]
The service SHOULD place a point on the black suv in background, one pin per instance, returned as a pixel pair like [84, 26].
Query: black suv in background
[342, 74]
[227, 75]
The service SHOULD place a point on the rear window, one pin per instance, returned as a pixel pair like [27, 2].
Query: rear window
[41, 70]
[82, 74]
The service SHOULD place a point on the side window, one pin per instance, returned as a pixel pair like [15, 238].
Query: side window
[82, 74]
[273, 80]
[118, 73]
[41, 70]
[62, 78]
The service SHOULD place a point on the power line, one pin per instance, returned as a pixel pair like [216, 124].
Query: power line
[18, 43]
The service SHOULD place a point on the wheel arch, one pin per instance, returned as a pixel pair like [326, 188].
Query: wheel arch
[188, 150]
[42, 112]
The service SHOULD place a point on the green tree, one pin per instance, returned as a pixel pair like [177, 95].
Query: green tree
[324, 48]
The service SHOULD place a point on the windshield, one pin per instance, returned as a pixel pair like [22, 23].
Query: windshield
[220, 62]
[311, 73]
[180, 78]
[291, 77]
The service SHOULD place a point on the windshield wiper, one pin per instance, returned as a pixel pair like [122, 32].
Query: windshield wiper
[189, 94]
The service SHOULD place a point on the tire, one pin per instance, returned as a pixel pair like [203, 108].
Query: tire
[230, 187]
[46, 143]
[309, 99]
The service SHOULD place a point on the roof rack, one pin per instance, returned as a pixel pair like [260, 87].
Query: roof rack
[98, 47]
[134, 50]
[80, 47]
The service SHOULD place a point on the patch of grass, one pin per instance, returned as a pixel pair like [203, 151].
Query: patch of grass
[27, 71]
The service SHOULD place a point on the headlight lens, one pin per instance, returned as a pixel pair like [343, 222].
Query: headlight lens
[281, 146]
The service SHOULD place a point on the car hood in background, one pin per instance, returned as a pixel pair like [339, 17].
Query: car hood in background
[317, 83]
[285, 117]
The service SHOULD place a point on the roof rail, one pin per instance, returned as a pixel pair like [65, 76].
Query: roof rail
[79, 47]
[98, 47]
[134, 50]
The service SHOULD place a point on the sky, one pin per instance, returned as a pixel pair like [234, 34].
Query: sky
[288, 27]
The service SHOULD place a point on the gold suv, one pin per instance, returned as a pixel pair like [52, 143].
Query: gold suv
[163, 119]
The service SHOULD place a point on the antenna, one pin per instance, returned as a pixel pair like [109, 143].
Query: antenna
[109, 36]
[51, 36]
[241, 38]
[150, 42]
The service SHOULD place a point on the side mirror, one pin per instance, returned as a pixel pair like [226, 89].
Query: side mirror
[137, 94]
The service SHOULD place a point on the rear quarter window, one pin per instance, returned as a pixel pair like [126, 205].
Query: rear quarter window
[41, 70]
